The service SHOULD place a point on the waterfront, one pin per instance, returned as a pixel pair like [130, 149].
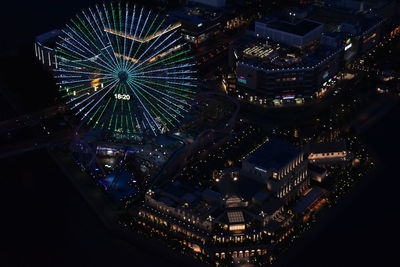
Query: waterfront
[361, 229]
[46, 222]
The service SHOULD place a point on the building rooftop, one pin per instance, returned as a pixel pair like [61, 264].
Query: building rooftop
[332, 18]
[177, 195]
[316, 169]
[196, 13]
[267, 54]
[306, 201]
[275, 154]
[276, 224]
[260, 197]
[244, 187]
[235, 217]
[211, 194]
[48, 36]
[272, 205]
[300, 27]
[176, 190]
[327, 147]
[168, 202]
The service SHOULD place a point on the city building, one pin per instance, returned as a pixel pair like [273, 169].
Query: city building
[317, 173]
[204, 19]
[247, 213]
[358, 31]
[269, 73]
[199, 22]
[213, 3]
[44, 48]
[251, 207]
[292, 31]
[328, 153]
[280, 166]
[380, 8]
[295, 57]
[187, 204]
[311, 201]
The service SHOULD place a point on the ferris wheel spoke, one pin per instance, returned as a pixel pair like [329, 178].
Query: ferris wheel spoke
[73, 65]
[115, 27]
[101, 113]
[83, 57]
[63, 70]
[80, 81]
[121, 69]
[108, 57]
[83, 43]
[166, 77]
[102, 33]
[162, 60]
[112, 85]
[141, 32]
[149, 123]
[92, 38]
[78, 62]
[88, 50]
[172, 98]
[157, 52]
[135, 34]
[125, 31]
[179, 89]
[152, 43]
[141, 102]
[92, 95]
[102, 20]
[186, 65]
[109, 27]
[80, 89]
[162, 105]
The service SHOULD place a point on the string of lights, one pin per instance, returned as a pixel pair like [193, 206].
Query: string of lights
[123, 68]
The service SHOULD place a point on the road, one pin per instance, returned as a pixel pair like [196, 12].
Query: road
[34, 131]
[34, 143]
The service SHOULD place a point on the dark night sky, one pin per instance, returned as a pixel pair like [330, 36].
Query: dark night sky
[22, 20]
[45, 222]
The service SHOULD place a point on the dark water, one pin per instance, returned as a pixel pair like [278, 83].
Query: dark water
[45, 222]
[363, 229]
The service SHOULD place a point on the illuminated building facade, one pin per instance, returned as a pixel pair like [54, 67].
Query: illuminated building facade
[199, 22]
[297, 56]
[245, 216]
[328, 153]
[272, 74]
[362, 21]
[44, 48]
[280, 166]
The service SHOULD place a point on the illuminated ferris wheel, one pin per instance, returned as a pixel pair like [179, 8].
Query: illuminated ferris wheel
[125, 69]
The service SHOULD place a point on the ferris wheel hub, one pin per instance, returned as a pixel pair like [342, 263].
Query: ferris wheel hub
[123, 76]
